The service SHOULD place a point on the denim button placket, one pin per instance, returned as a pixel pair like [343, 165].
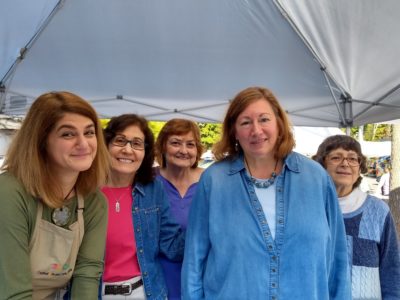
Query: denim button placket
[271, 251]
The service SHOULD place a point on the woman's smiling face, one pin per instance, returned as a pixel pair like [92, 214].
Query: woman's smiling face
[343, 166]
[126, 160]
[257, 129]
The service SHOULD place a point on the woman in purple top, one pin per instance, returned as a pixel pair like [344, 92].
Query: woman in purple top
[178, 151]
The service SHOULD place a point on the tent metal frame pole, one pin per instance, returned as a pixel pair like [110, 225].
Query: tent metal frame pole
[323, 67]
[379, 100]
[24, 50]
[124, 99]
[342, 117]
[166, 111]
[347, 105]
[2, 96]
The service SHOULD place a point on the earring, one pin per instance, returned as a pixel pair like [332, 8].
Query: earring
[237, 146]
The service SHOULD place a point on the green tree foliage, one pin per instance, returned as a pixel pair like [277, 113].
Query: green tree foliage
[104, 122]
[156, 127]
[373, 132]
[210, 133]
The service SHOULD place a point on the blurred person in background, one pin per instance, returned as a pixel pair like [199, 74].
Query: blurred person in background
[383, 188]
[372, 240]
[178, 151]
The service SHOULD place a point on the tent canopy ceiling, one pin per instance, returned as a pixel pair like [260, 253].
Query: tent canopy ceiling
[330, 63]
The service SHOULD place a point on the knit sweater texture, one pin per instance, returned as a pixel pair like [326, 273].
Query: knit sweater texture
[373, 251]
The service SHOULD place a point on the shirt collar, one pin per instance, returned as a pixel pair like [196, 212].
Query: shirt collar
[140, 189]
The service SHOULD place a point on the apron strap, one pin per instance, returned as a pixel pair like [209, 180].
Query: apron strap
[81, 223]
[39, 212]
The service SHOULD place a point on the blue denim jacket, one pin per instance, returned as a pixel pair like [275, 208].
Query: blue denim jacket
[230, 253]
[155, 232]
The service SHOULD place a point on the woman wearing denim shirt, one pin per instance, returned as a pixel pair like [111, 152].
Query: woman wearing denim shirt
[139, 226]
[265, 222]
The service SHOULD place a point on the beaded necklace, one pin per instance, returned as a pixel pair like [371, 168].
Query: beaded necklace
[262, 183]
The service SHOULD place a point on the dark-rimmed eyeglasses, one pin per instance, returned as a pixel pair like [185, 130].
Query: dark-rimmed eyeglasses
[136, 143]
[336, 159]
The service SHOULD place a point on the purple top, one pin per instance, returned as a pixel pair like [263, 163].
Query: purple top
[180, 211]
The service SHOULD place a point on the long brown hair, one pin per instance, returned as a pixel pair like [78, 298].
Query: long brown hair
[177, 127]
[226, 147]
[27, 157]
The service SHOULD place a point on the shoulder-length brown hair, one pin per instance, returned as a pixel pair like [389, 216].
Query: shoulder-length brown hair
[345, 142]
[226, 147]
[145, 173]
[177, 127]
[27, 157]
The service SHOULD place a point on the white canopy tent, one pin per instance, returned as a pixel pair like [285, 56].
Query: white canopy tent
[331, 63]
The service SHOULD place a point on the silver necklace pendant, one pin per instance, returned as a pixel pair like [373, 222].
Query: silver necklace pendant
[61, 216]
[117, 207]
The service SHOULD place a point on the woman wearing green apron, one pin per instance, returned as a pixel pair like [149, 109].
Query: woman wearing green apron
[52, 216]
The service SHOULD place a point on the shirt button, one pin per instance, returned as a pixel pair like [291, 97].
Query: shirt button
[273, 270]
[145, 273]
[270, 247]
[141, 250]
[273, 284]
[273, 298]
[274, 257]
[137, 229]
[280, 221]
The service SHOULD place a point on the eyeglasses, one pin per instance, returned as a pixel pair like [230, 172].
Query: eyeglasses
[178, 144]
[336, 159]
[135, 143]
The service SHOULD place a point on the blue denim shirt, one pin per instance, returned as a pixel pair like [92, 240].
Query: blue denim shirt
[230, 253]
[155, 232]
